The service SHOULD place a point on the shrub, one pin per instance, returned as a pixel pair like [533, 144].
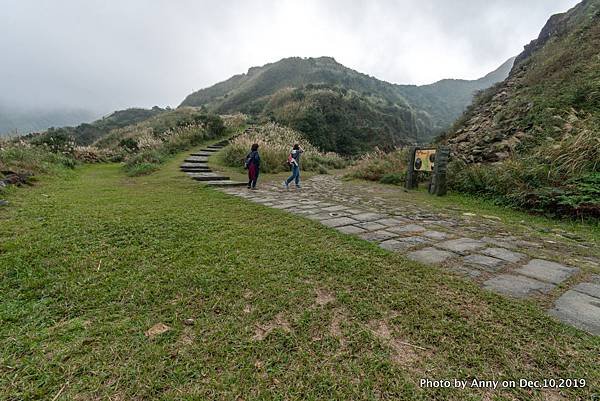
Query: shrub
[24, 157]
[375, 165]
[234, 121]
[129, 144]
[54, 141]
[151, 156]
[142, 169]
[393, 178]
[183, 129]
[92, 154]
[275, 142]
[528, 184]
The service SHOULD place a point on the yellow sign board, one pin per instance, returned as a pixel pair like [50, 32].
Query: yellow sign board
[424, 159]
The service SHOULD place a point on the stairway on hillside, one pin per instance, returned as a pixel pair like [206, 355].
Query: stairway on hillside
[196, 166]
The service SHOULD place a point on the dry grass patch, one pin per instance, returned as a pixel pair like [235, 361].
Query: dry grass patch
[278, 323]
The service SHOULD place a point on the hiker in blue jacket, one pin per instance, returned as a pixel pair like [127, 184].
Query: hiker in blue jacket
[253, 164]
[294, 162]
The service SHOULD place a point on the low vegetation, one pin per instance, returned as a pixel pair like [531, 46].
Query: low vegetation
[547, 173]
[24, 158]
[386, 167]
[46, 154]
[146, 145]
[275, 142]
[560, 177]
[142, 146]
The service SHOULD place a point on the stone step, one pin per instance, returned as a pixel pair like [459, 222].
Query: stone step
[208, 176]
[192, 165]
[197, 166]
[225, 183]
[209, 150]
[196, 159]
[202, 154]
[196, 169]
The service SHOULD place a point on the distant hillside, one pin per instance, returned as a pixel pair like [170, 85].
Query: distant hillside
[447, 99]
[86, 134]
[25, 121]
[154, 125]
[418, 112]
[533, 139]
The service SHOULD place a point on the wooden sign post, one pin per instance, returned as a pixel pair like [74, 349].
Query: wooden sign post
[439, 185]
[431, 160]
[412, 181]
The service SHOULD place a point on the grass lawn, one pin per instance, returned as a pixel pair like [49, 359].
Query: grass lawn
[282, 307]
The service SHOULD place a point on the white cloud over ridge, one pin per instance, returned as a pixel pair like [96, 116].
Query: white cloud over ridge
[111, 54]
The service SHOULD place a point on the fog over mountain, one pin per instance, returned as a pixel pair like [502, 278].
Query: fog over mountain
[106, 55]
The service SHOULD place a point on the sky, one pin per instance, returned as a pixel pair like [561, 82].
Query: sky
[104, 55]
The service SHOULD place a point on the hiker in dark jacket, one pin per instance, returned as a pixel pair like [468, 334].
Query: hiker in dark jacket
[294, 162]
[253, 165]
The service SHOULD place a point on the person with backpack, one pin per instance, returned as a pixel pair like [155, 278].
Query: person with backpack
[252, 163]
[294, 162]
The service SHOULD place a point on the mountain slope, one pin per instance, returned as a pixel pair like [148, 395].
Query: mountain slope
[88, 133]
[419, 112]
[293, 72]
[533, 139]
[554, 83]
[345, 121]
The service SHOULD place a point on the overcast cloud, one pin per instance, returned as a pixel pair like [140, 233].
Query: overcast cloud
[111, 54]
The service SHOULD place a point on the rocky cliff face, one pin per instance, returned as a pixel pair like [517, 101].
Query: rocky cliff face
[481, 138]
[554, 81]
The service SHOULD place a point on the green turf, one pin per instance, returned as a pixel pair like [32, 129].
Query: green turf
[91, 260]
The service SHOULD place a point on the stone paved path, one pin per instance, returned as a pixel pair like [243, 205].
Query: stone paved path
[559, 272]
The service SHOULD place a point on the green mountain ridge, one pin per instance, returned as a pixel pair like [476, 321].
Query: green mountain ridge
[409, 112]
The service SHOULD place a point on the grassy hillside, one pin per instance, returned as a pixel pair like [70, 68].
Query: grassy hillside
[86, 134]
[146, 145]
[142, 146]
[101, 273]
[344, 121]
[238, 91]
[412, 112]
[532, 140]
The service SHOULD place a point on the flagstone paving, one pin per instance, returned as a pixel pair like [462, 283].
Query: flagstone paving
[482, 248]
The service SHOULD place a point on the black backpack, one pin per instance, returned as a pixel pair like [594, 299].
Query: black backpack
[248, 161]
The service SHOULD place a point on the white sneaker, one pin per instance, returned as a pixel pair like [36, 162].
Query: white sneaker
[285, 185]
